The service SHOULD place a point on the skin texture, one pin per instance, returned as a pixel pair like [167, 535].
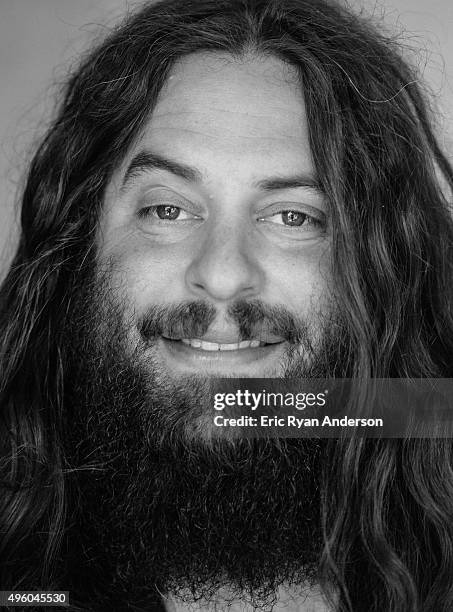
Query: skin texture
[236, 123]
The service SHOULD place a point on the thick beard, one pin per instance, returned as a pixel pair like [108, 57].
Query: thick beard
[159, 510]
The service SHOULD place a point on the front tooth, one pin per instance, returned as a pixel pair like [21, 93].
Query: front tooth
[215, 346]
[229, 347]
[209, 346]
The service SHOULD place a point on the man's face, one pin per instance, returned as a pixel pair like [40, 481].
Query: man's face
[214, 232]
[234, 215]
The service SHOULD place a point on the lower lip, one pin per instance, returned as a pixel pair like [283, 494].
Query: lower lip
[253, 362]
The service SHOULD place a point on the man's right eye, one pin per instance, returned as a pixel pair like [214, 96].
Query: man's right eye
[165, 212]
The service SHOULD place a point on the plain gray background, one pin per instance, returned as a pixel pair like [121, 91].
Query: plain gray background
[40, 39]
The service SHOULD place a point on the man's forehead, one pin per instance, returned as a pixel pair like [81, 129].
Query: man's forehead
[215, 109]
[256, 96]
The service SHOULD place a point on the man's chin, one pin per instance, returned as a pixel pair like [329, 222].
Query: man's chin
[170, 503]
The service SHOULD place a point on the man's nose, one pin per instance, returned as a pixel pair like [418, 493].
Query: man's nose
[224, 267]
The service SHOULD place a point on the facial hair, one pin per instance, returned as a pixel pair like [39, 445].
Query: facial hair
[160, 508]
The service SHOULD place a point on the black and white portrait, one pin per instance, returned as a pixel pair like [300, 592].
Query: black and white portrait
[244, 190]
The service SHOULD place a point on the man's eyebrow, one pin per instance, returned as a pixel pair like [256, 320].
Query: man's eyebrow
[290, 182]
[146, 161]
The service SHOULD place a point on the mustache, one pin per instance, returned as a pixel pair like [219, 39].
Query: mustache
[192, 319]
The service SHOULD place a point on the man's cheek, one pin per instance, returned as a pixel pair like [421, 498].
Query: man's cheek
[144, 282]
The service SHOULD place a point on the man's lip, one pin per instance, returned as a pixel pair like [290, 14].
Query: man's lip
[218, 339]
[204, 345]
[248, 361]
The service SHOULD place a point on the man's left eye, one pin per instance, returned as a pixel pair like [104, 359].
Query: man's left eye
[294, 218]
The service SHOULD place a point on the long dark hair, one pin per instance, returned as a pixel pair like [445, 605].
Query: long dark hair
[387, 505]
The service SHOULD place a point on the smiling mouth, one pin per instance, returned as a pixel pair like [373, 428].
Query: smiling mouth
[204, 345]
[254, 357]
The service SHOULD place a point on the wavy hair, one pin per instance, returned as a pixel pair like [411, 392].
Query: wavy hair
[388, 504]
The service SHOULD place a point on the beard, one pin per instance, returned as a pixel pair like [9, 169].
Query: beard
[158, 507]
